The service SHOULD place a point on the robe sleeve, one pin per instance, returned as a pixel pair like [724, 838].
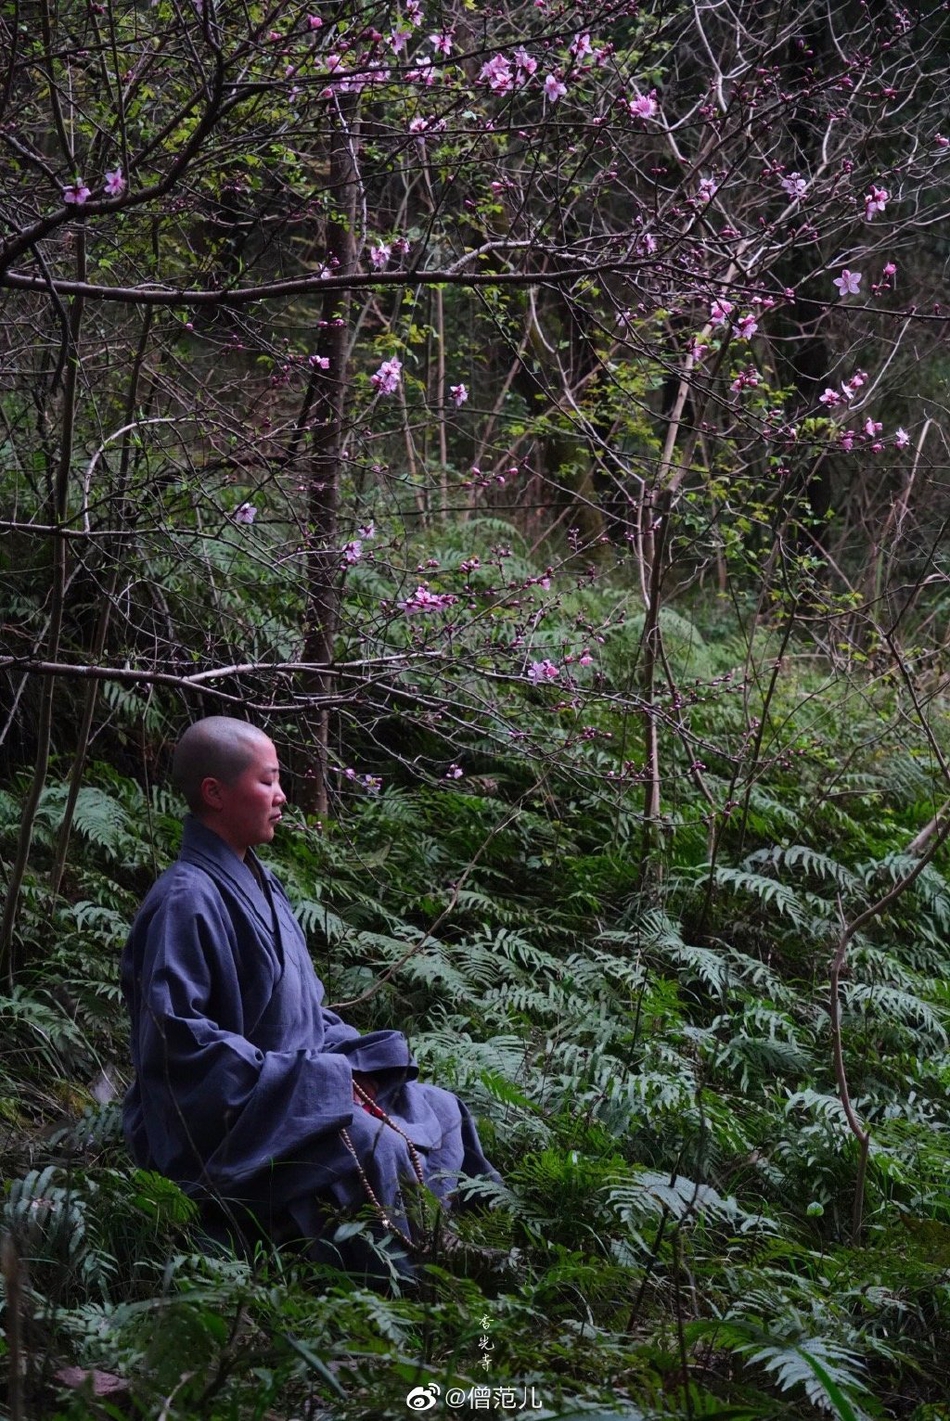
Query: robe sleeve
[212, 1105]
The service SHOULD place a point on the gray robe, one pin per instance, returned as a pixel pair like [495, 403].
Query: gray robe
[244, 1080]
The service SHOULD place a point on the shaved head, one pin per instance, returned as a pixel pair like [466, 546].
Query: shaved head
[218, 747]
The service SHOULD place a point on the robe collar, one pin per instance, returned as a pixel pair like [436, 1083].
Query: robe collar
[202, 846]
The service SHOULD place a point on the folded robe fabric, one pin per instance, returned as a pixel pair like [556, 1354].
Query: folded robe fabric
[243, 1079]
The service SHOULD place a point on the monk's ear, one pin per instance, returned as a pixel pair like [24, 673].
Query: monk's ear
[210, 793]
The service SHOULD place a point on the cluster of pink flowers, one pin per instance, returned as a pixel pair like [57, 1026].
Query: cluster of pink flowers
[540, 671]
[504, 74]
[388, 376]
[420, 125]
[849, 389]
[497, 74]
[794, 185]
[353, 81]
[353, 550]
[870, 436]
[747, 379]
[720, 311]
[76, 193]
[644, 105]
[746, 327]
[875, 201]
[422, 600]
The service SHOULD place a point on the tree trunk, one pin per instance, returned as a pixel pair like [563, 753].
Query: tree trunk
[324, 580]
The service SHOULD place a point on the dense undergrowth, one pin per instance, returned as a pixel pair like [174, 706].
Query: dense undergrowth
[641, 1022]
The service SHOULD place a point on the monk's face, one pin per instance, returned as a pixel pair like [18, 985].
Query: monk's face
[247, 811]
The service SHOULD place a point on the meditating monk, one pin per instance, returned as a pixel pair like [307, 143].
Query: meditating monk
[258, 1101]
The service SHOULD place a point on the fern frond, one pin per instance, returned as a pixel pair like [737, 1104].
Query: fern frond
[809, 861]
[827, 1372]
[887, 1003]
[767, 891]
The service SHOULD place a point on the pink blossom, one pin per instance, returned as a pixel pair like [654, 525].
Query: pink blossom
[245, 514]
[420, 125]
[698, 350]
[442, 43]
[794, 185]
[459, 394]
[940, 141]
[585, 658]
[115, 183]
[496, 73]
[379, 255]
[387, 377]
[901, 437]
[422, 600]
[426, 73]
[543, 671]
[320, 362]
[848, 282]
[414, 12]
[400, 246]
[398, 40]
[859, 378]
[876, 201]
[525, 62]
[890, 269]
[554, 89]
[454, 772]
[314, 22]
[367, 531]
[719, 311]
[76, 193]
[830, 398]
[846, 439]
[581, 46]
[644, 105]
[746, 327]
[353, 551]
[872, 427]
[708, 187]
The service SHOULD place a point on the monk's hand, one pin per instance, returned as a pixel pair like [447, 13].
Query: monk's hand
[368, 1085]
